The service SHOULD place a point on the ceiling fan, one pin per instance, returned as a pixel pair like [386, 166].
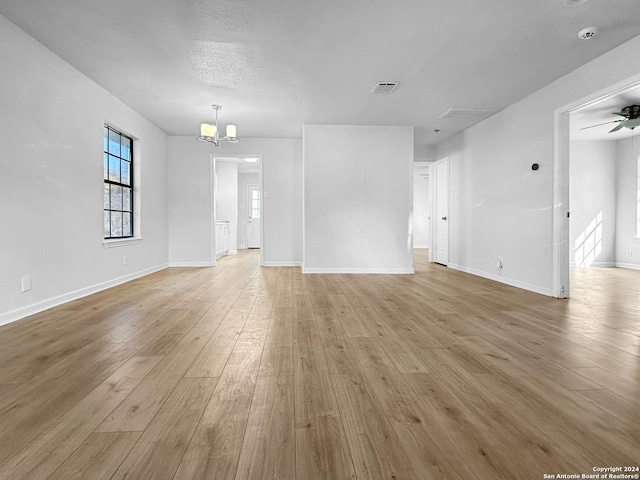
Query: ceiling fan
[631, 119]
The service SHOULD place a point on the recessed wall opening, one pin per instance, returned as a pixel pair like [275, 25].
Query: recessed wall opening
[237, 215]
[597, 194]
[421, 210]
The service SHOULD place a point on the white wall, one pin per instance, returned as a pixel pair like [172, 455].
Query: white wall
[357, 199]
[51, 200]
[592, 187]
[189, 197]
[498, 205]
[421, 207]
[627, 153]
[244, 179]
[424, 153]
[227, 199]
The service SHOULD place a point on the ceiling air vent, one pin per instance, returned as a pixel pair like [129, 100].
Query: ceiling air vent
[385, 87]
[573, 3]
[465, 114]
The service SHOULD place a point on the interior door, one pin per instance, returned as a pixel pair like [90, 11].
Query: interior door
[253, 216]
[442, 211]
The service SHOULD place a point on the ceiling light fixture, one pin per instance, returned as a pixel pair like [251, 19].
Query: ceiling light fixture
[209, 133]
[251, 159]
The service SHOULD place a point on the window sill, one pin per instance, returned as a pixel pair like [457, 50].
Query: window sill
[121, 242]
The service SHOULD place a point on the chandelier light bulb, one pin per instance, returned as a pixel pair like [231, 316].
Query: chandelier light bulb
[209, 132]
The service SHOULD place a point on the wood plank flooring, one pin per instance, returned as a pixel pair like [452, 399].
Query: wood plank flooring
[242, 372]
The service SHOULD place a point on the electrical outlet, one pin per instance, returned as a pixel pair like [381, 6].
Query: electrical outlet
[124, 260]
[193, 251]
[499, 263]
[629, 253]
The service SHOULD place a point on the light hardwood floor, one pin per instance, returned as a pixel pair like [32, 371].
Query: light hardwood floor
[249, 373]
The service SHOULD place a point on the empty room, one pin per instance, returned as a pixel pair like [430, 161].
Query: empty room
[319, 240]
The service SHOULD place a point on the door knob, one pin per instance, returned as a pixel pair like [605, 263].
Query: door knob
[444, 218]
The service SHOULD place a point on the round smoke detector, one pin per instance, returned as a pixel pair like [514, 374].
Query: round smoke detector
[587, 33]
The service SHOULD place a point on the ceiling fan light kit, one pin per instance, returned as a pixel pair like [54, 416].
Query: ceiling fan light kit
[209, 133]
[631, 120]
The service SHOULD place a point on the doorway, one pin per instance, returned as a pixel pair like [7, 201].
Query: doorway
[585, 244]
[421, 205]
[230, 208]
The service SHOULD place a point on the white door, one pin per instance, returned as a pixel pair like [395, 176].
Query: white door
[253, 216]
[442, 211]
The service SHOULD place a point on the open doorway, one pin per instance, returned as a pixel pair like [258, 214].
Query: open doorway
[232, 209]
[421, 210]
[597, 181]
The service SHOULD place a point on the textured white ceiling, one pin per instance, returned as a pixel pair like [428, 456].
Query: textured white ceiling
[276, 64]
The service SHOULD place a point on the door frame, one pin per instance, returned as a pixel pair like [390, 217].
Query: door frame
[561, 206]
[434, 208]
[212, 199]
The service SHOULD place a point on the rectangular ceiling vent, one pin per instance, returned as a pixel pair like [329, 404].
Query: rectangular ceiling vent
[385, 87]
[465, 114]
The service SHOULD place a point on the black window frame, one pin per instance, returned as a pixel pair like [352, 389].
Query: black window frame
[109, 209]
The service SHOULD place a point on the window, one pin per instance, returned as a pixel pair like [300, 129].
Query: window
[118, 184]
[255, 203]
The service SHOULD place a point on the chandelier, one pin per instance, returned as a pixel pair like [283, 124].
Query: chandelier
[209, 133]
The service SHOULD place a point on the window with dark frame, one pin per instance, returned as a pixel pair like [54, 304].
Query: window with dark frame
[118, 184]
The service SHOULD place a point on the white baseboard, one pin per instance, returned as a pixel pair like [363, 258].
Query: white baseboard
[421, 246]
[190, 264]
[632, 266]
[38, 307]
[360, 271]
[283, 263]
[508, 281]
[594, 265]
[242, 246]
[232, 252]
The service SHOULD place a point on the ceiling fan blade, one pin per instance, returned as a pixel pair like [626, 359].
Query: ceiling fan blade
[633, 123]
[605, 123]
[617, 127]
[620, 113]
